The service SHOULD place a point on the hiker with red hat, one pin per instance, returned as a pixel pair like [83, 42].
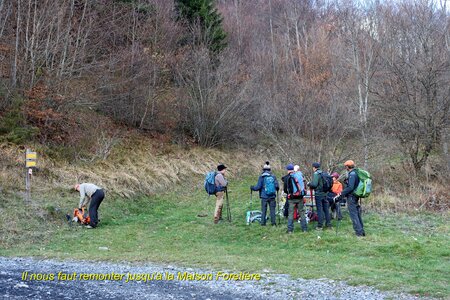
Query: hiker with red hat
[354, 208]
[335, 202]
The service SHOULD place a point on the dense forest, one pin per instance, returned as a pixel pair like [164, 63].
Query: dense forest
[311, 80]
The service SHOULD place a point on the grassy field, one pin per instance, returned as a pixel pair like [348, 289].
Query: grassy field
[407, 253]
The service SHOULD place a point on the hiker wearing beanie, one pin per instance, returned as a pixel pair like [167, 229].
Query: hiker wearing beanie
[268, 187]
[292, 188]
[221, 184]
[354, 208]
[92, 195]
[333, 200]
[323, 210]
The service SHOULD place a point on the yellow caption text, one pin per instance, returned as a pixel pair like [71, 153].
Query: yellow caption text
[145, 277]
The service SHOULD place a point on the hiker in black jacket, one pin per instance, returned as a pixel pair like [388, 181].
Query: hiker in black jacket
[323, 209]
[294, 196]
[354, 208]
[267, 193]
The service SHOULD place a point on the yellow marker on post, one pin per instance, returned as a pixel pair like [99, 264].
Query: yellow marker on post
[30, 159]
[30, 162]
[31, 155]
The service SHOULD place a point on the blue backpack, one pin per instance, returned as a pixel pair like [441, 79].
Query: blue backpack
[269, 186]
[210, 185]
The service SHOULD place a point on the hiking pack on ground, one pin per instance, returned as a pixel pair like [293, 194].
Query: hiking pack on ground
[327, 182]
[365, 183]
[79, 216]
[269, 186]
[210, 185]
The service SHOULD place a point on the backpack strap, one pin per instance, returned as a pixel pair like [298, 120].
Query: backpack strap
[297, 185]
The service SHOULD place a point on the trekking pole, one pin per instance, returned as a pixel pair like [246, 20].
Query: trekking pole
[337, 215]
[228, 206]
[278, 205]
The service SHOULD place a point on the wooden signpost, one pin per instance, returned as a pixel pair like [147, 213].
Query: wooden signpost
[30, 163]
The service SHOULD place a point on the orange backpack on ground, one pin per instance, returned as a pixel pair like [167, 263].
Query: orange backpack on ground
[82, 217]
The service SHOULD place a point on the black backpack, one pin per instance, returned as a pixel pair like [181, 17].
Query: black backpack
[327, 182]
[288, 185]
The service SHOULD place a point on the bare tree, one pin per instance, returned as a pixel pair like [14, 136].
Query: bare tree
[415, 96]
[212, 98]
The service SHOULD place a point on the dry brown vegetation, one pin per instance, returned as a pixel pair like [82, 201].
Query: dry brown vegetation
[302, 80]
[134, 166]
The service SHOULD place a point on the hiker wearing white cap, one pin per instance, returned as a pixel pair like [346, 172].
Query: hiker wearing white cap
[91, 195]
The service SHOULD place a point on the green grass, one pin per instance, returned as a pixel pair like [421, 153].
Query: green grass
[408, 253]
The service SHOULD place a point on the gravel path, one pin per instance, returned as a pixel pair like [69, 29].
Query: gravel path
[270, 286]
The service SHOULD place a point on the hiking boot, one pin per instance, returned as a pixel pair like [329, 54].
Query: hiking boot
[288, 232]
[89, 227]
[319, 228]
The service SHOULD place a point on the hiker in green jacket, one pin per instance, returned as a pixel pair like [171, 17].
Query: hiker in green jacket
[323, 209]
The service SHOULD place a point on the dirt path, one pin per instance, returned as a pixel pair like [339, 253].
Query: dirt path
[95, 280]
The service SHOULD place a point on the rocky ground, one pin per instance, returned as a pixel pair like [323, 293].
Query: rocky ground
[28, 278]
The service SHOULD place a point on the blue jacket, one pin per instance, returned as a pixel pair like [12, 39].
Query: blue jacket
[299, 177]
[353, 182]
[260, 185]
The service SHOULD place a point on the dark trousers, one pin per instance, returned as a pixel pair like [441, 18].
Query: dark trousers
[301, 212]
[272, 204]
[354, 210]
[323, 211]
[96, 199]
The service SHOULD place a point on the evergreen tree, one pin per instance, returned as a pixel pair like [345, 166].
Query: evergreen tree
[204, 13]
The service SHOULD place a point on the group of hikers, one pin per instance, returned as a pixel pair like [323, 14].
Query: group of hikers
[329, 193]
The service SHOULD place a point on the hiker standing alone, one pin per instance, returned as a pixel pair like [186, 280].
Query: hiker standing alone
[323, 210]
[268, 187]
[221, 184]
[354, 208]
[92, 195]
